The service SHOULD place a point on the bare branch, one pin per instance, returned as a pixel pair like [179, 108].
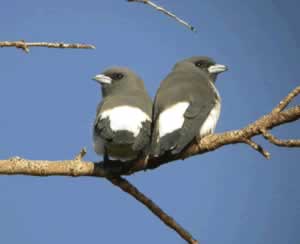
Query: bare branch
[81, 154]
[286, 101]
[258, 148]
[25, 45]
[166, 12]
[278, 142]
[126, 186]
[20, 166]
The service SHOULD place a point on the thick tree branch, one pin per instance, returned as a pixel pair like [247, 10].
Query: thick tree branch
[25, 45]
[166, 12]
[126, 186]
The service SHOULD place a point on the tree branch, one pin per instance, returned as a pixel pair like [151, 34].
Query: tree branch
[166, 12]
[285, 102]
[126, 186]
[77, 167]
[81, 154]
[258, 148]
[25, 45]
[278, 142]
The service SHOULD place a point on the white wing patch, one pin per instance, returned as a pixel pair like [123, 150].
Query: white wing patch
[172, 118]
[125, 118]
[210, 123]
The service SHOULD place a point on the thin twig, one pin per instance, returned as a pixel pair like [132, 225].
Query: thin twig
[25, 45]
[81, 154]
[126, 186]
[166, 12]
[258, 148]
[286, 101]
[278, 142]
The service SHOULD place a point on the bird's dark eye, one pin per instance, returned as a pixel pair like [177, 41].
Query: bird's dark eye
[117, 76]
[199, 64]
[202, 65]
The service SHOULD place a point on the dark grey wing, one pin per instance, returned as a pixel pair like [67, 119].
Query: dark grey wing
[102, 129]
[142, 141]
[165, 97]
[155, 144]
[167, 142]
[194, 117]
[156, 108]
[102, 126]
[197, 112]
[177, 140]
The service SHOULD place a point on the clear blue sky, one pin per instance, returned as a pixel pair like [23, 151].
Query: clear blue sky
[48, 101]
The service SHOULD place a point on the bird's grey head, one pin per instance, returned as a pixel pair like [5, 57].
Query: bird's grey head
[204, 64]
[118, 79]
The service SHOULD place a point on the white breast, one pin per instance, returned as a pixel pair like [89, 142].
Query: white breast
[125, 118]
[172, 118]
[210, 123]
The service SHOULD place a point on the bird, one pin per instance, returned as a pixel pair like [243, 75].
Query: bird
[122, 127]
[187, 105]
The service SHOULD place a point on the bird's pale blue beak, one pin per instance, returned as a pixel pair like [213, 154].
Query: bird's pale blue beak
[102, 79]
[217, 68]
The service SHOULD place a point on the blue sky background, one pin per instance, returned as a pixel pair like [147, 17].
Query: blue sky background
[48, 101]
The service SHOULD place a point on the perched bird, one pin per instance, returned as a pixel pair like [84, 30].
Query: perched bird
[122, 128]
[187, 105]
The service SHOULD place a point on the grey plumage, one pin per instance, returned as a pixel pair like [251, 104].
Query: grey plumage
[186, 106]
[122, 127]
